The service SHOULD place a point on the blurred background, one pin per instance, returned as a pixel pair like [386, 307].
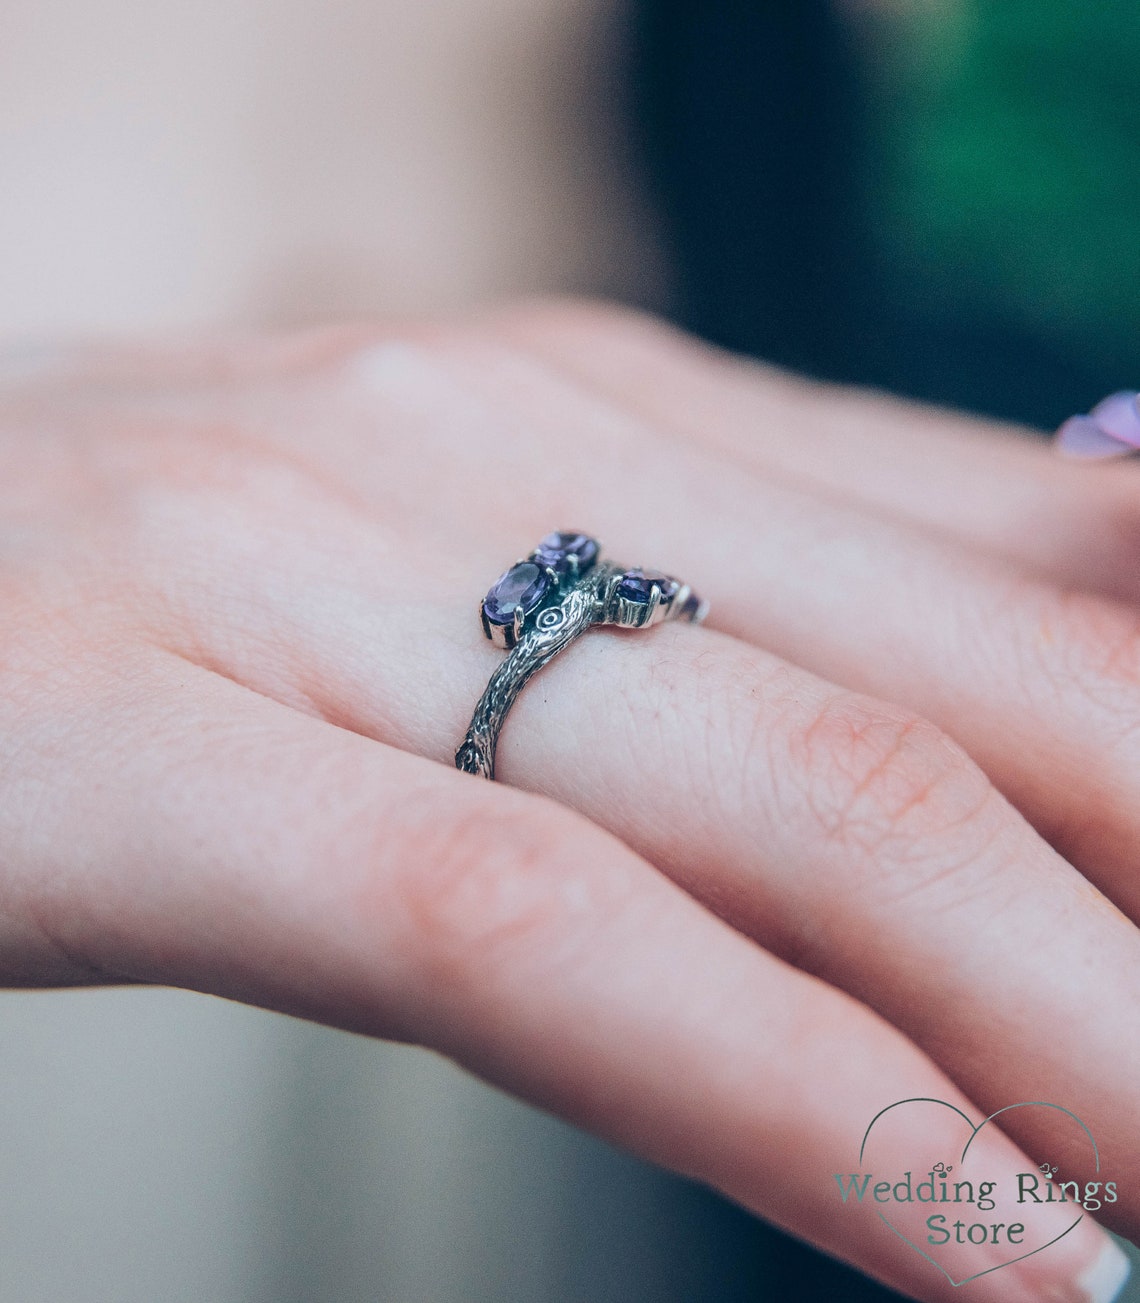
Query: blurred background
[937, 196]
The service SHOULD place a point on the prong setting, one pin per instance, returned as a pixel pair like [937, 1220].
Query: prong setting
[541, 604]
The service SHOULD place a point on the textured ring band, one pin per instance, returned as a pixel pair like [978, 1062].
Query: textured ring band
[541, 604]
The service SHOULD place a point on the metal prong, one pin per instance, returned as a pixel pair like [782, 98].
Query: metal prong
[501, 635]
[517, 623]
[612, 603]
[678, 600]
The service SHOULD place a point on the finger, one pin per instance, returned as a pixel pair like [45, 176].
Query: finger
[235, 846]
[856, 841]
[986, 483]
[1038, 684]
[846, 834]
[106, 369]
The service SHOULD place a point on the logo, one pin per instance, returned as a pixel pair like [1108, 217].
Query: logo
[961, 1197]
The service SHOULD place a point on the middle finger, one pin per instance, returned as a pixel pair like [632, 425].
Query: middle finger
[810, 820]
[1040, 684]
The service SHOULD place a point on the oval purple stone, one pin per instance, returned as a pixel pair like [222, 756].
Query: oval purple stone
[556, 549]
[523, 585]
[637, 585]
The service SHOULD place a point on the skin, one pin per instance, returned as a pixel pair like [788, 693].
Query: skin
[867, 835]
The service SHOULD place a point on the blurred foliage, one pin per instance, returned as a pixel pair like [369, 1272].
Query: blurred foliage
[1007, 161]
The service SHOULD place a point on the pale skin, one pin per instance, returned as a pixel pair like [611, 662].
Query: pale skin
[867, 834]
[240, 642]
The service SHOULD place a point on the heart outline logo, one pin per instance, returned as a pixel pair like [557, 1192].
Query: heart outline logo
[974, 1130]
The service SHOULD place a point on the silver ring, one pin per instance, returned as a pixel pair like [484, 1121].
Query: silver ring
[542, 603]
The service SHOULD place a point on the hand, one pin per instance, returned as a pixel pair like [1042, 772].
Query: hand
[240, 648]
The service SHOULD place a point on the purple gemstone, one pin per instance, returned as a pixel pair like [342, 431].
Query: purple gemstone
[524, 585]
[556, 549]
[637, 585]
[691, 608]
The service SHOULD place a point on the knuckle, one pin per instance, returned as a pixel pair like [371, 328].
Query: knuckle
[557, 317]
[1091, 647]
[1081, 662]
[495, 884]
[902, 802]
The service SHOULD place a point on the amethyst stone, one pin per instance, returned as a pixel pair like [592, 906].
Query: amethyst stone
[557, 549]
[524, 585]
[637, 585]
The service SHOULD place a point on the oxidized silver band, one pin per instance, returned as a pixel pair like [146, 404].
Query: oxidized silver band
[541, 604]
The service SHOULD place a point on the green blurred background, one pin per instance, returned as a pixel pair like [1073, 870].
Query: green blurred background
[938, 197]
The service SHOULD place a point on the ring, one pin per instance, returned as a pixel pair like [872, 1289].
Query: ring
[542, 603]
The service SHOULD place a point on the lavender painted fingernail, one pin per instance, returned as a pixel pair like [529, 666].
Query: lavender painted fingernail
[1080, 436]
[1111, 429]
[1119, 416]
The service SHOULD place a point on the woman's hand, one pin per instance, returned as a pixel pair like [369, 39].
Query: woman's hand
[738, 906]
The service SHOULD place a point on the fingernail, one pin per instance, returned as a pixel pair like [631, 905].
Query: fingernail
[1101, 1281]
[1081, 437]
[1111, 429]
[1119, 416]
[1106, 1278]
[1084, 1264]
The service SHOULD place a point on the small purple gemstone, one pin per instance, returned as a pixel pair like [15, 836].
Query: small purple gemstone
[524, 585]
[556, 549]
[691, 608]
[637, 585]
